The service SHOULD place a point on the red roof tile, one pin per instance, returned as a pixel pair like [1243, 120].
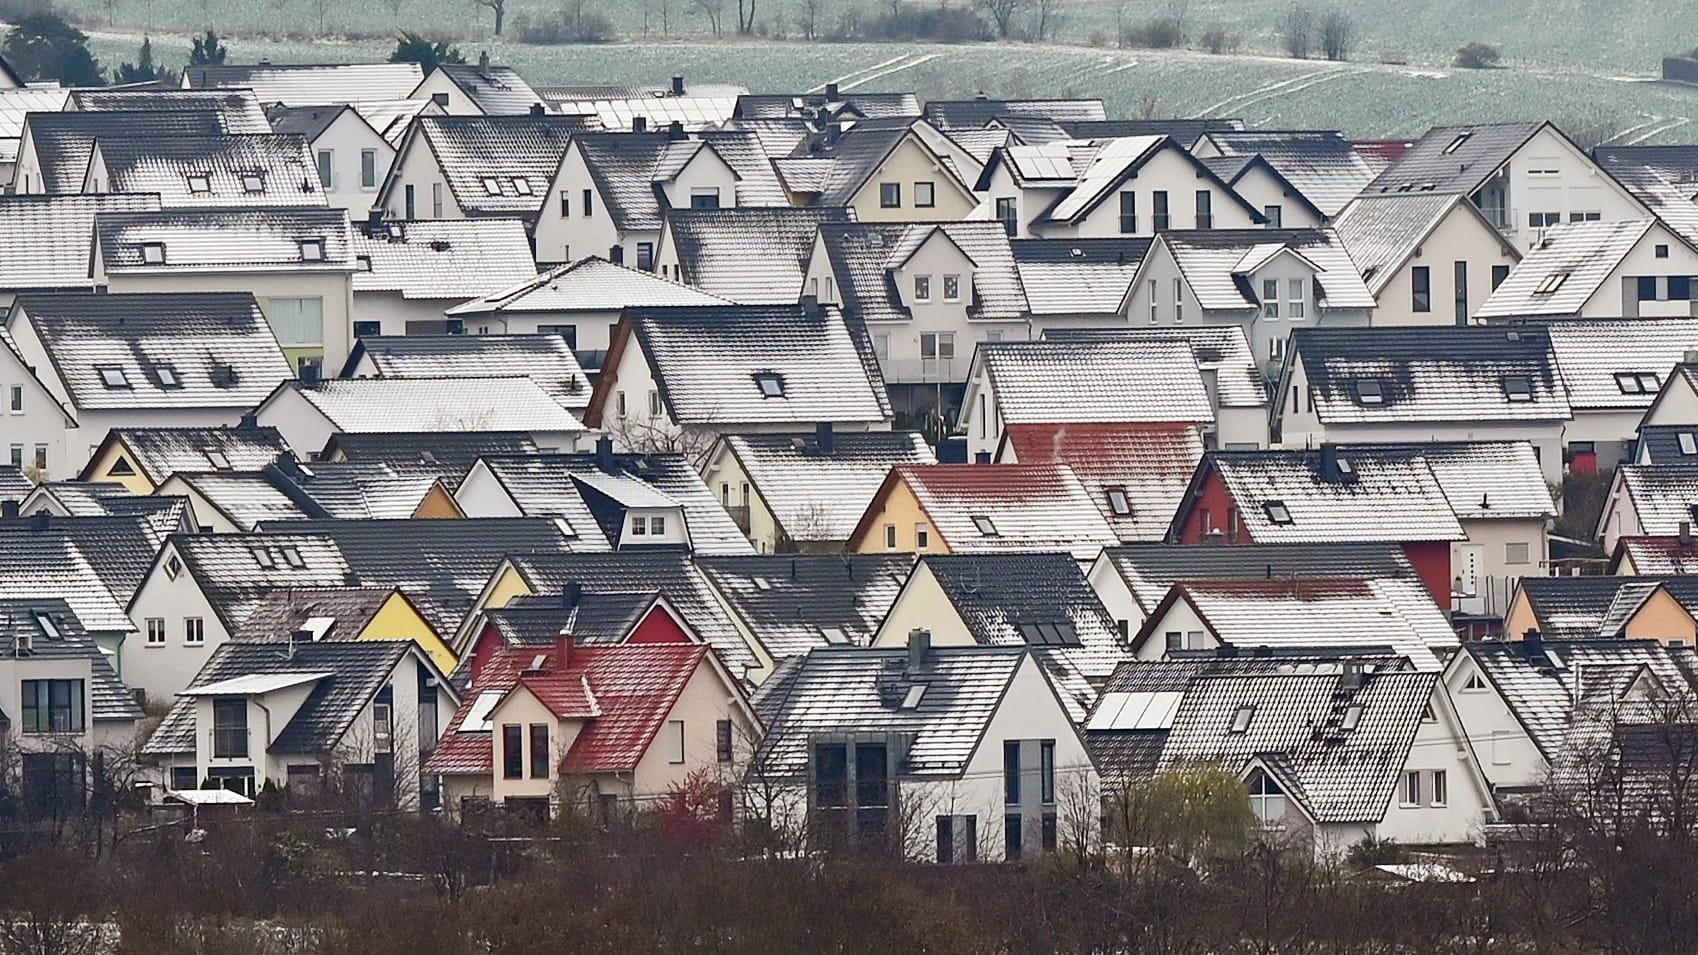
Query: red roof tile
[1152, 463]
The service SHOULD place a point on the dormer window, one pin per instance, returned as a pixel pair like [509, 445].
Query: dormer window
[199, 182]
[1118, 503]
[1241, 719]
[113, 377]
[1637, 383]
[1277, 512]
[491, 186]
[1550, 284]
[153, 253]
[312, 250]
[771, 384]
[1369, 392]
[167, 376]
[253, 182]
[1518, 388]
[985, 526]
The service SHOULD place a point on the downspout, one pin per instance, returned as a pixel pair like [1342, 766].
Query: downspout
[267, 741]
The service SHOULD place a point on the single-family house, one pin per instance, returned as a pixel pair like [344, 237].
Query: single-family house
[408, 274]
[790, 604]
[1320, 166]
[1137, 473]
[1649, 499]
[747, 255]
[310, 84]
[1427, 258]
[1615, 371]
[141, 459]
[545, 359]
[214, 171]
[478, 89]
[470, 167]
[1625, 268]
[350, 155]
[894, 169]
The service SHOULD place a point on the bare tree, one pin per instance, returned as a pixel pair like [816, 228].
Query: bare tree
[499, 8]
[1297, 31]
[111, 9]
[714, 10]
[395, 7]
[1050, 15]
[745, 17]
[1002, 13]
[320, 8]
[1338, 34]
[808, 18]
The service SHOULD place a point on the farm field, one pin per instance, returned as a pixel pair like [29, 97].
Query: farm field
[1364, 100]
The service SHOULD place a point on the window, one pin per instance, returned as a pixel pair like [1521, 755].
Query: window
[1048, 833]
[588, 202]
[1352, 718]
[890, 195]
[1456, 143]
[1518, 388]
[722, 740]
[1118, 503]
[1277, 512]
[1439, 793]
[411, 204]
[645, 256]
[1270, 298]
[153, 253]
[199, 182]
[113, 377]
[1517, 553]
[675, 741]
[229, 727]
[1174, 640]
[1592, 216]
[771, 384]
[1007, 213]
[16, 403]
[1046, 766]
[436, 200]
[657, 526]
[1499, 273]
[1179, 300]
[1294, 308]
[985, 526]
[925, 195]
[654, 402]
[1550, 283]
[1427, 714]
[1661, 251]
[1273, 215]
[1205, 209]
[939, 345]
[1680, 288]
[1369, 391]
[952, 288]
[156, 631]
[167, 376]
[491, 186]
[54, 782]
[1647, 288]
[1688, 442]
[1155, 300]
[296, 321]
[1011, 772]
[639, 527]
[922, 537]
[53, 706]
[704, 197]
[1411, 788]
[539, 751]
[312, 250]
[1161, 220]
[890, 537]
[1540, 220]
[565, 204]
[1241, 719]
[881, 346]
[1012, 838]
[194, 631]
[512, 751]
[1474, 684]
[254, 182]
[1128, 213]
[364, 329]
[1267, 800]
[17, 451]
[326, 163]
[922, 288]
[1421, 288]
[368, 169]
[521, 186]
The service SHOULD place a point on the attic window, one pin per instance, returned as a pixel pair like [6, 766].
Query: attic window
[771, 384]
[1518, 388]
[1474, 683]
[312, 250]
[262, 557]
[253, 182]
[153, 253]
[292, 557]
[199, 182]
[492, 185]
[1456, 143]
[113, 377]
[1427, 714]
[1118, 503]
[173, 567]
[1241, 719]
[167, 376]
[362, 263]
[1551, 283]
[985, 526]
[219, 460]
[1637, 383]
[911, 700]
[522, 186]
[834, 636]
[1369, 392]
[1276, 512]
[1688, 442]
[1352, 717]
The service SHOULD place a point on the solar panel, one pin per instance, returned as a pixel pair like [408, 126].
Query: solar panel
[477, 718]
[1142, 710]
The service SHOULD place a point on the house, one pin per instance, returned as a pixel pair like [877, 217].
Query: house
[448, 454]
[1269, 282]
[1137, 473]
[351, 157]
[1664, 444]
[325, 614]
[295, 261]
[1404, 385]
[1330, 758]
[1615, 370]
[1107, 381]
[790, 604]
[1648, 499]
[982, 508]
[1525, 177]
[311, 84]
[1676, 404]
[1653, 556]
[140, 459]
[407, 274]
[1270, 497]
[392, 118]
[35, 231]
[612, 729]
[1077, 189]
[580, 302]
[805, 491]
[1077, 282]
[1389, 238]
[469, 167]
[1571, 607]
[36, 421]
[359, 717]
[225, 502]
[1314, 168]
[1365, 616]
[751, 256]
[144, 359]
[214, 171]
[478, 89]
[1257, 182]
[612, 501]
[676, 378]
[1660, 177]
[928, 294]
[896, 169]
[545, 359]
[613, 190]
[308, 415]
[1518, 701]
[15, 107]
[239, 109]
[54, 150]
[90, 499]
[72, 712]
[972, 739]
[1621, 268]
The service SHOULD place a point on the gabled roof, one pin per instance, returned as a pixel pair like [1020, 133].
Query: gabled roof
[713, 365]
[14, 484]
[1074, 277]
[698, 106]
[863, 255]
[1150, 570]
[1221, 349]
[794, 603]
[1594, 353]
[45, 241]
[99, 499]
[807, 106]
[312, 84]
[495, 90]
[157, 349]
[1574, 608]
[1382, 232]
[329, 613]
[450, 259]
[94, 563]
[240, 110]
[389, 405]
[1666, 444]
[1656, 556]
[1660, 177]
[545, 359]
[1320, 163]
[16, 105]
[1663, 495]
[160, 452]
[259, 169]
[1041, 600]
[224, 240]
[1375, 500]
[979, 508]
[307, 122]
[56, 634]
[630, 169]
[1568, 267]
[591, 284]
[246, 498]
[1089, 172]
[844, 166]
[1232, 170]
[1454, 159]
[1218, 264]
[517, 154]
[447, 454]
[1448, 373]
[1145, 467]
[1118, 380]
[1482, 480]
[1184, 130]
[62, 141]
[817, 495]
[749, 256]
[973, 113]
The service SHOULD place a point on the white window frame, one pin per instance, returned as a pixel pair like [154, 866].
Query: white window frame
[675, 742]
[194, 631]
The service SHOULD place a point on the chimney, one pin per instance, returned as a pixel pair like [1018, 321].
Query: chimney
[677, 86]
[982, 457]
[374, 221]
[537, 109]
[310, 373]
[572, 595]
[639, 124]
[831, 92]
[919, 647]
[483, 59]
[1329, 462]
[40, 521]
[1689, 357]
[248, 420]
[8, 508]
[562, 650]
[1685, 533]
[675, 131]
[604, 454]
[1352, 676]
[823, 437]
[1532, 643]
[810, 304]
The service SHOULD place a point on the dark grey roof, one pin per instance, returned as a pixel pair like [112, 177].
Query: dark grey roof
[307, 122]
[864, 256]
[449, 454]
[973, 113]
[166, 165]
[356, 671]
[239, 110]
[471, 149]
[276, 616]
[807, 106]
[1150, 570]
[303, 84]
[160, 452]
[1572, 608]
[847, 162]
[1077, 276]
[45, 240]
[749, 256]
[1186, 131]
[794, 603]
[1381, 232]
[94, 563]
[63, 141]
[56, 633]
[99, 499]
[598, 617]
[545, 359]
[496, 90]
[172, 350]
[820, 496]
[225, 240]
[627, 169]
[1031, 599]
[1456, 159]
[1663, 444]
[13, 484]
[228, 568]
[1320, 164]
[1376, 499]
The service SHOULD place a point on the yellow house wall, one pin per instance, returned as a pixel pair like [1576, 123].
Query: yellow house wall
[1662, 618]
[1519, 619]
[907, 164]
[100, 471]
[923, 605]
[397, 620]
[438, 503]
[701, 706]
[901, 508]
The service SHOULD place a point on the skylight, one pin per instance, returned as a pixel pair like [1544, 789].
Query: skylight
[312, 250]
[1118, 503]
[167, 376]
[153, 253]
[492, 185]
[1551, 283]
[985, 526]
[912, 699]
[1352, 717]
[1688, 442]
[771, 384]
[1456, 143]
[1518, 388]
[362, 263]
[292, 557]
[522, 186]
[1276, 512]
[761, 583]
[1241, 719]
[1368, 391]
[199, 182]
[113, 377]
[262, 557]
[253, 182]
[47, 626]
[219, 460]
[1638, 383]
[834, 636]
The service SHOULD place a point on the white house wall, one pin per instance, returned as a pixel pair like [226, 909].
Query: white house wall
[1459, 237]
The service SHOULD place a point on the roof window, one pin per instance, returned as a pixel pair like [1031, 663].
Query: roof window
[199, 182]
[771, 384]
[1352, 717]
[1276, 512]
[1688, 442]
[112, 376]
[312, 250]
[253, 182]
[153, 253]
[492, 186]
[1638, 383]
[522, 186]
[1551, 283]
[1118, 503]
[362, 263]
[985, 526]
[1369, 392]
[834, 636]
[1241, 719]
[911, 700]
[292, 557]
[167, 376]
[1456, 143]
[47, 626]
[220, 461]
[1518, 388]
[262, 557]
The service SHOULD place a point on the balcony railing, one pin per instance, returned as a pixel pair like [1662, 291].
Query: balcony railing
[230, 742]
[739, 516]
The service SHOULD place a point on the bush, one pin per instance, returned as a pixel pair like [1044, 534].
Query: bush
[1372, 851]
[562, 29]
[1218, 39]
[1338, 34]
[1162, 33]
[935, 24]
[1478, 56]
[1297, 31]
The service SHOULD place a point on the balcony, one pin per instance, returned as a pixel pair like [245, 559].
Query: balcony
[229, 742]
[915, 371]
[739, 516]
